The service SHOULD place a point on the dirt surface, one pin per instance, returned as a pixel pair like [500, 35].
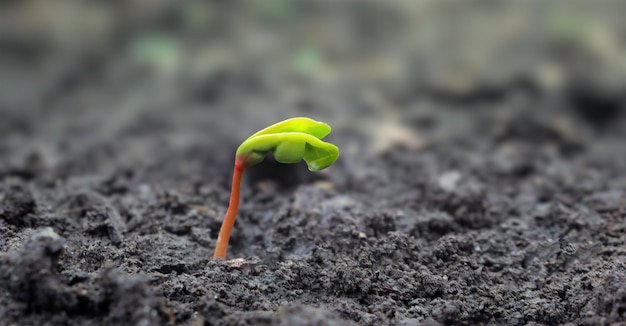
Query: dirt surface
[500, 204]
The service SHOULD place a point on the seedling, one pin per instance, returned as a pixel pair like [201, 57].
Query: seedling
[290, 141]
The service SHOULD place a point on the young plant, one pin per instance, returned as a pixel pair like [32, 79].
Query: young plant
[290, 141]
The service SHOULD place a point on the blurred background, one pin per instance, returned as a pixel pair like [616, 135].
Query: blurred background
[394, 72]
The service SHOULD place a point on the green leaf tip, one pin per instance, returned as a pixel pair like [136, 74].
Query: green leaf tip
[291, 141]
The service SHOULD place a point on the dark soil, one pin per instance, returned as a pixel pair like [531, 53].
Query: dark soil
[453, 209]
[512, 227]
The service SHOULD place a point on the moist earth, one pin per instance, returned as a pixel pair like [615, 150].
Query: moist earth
[514, 223]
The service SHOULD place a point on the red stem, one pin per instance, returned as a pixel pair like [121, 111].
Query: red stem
[231, 213]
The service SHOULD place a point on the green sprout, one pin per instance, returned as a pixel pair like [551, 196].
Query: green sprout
[290, 141]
